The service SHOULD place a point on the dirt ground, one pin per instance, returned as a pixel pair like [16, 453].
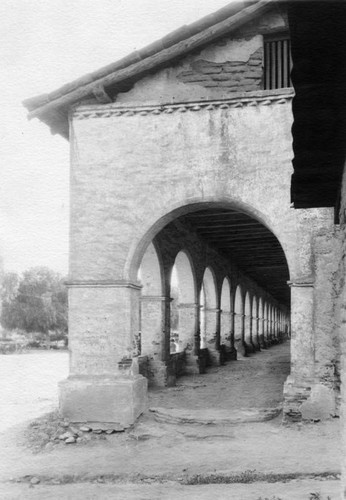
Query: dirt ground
[162, 460]
[252, 382]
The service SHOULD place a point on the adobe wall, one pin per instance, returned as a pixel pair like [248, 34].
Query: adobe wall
[200, 133]
[230, 65]
[341, 320]
[137, 168]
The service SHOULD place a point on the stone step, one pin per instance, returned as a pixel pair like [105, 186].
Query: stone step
[214, 416]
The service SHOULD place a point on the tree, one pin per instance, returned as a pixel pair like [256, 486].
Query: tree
[9, 286]
[37, 303]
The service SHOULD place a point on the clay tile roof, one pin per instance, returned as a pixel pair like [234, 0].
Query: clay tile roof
[53, 108]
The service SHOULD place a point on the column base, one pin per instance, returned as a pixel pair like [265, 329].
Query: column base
[249, 347]
[158, 373]
[262, 342]
[241, 347]
[307, 400]
[191, 366]
[117, 400]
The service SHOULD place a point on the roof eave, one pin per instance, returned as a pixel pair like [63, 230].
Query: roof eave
[52, 108]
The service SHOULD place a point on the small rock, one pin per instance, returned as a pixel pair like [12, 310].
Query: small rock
[79, 440]
[74, 430]
[44, 436]
[34, 480]
[97, 431]
[85, 428]
[64, 424]
[49, 446]
[110, 431]
[66, 435]
[70, 440]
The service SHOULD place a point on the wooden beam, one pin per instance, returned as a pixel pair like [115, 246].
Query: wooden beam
[101, 95]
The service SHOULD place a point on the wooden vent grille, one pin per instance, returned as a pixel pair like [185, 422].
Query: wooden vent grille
[277, 63]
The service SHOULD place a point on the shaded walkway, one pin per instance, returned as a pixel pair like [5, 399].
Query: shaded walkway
[252, 382]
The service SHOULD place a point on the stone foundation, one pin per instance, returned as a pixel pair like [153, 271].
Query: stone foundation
[112, 400]
[307, 400]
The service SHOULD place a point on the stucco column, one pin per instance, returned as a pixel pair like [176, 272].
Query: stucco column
[187, 334]
[212, 325]
[103, 384]
[298, 384]
[232, 334]
[153, 336]
[239, 323]
[255, 333]
[226, 327]
[262, 341]
[302, 340]
[248, 334]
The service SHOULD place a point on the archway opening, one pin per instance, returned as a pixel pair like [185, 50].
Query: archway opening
[183, 304]
[224, 280]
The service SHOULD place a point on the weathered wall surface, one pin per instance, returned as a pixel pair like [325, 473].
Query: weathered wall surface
[233, 64]
[136, 169]
[195, 135]
[341, 321]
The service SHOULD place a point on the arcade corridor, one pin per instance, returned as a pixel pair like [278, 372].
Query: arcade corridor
[252, 382]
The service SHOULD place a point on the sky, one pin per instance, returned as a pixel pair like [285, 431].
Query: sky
[43, 45]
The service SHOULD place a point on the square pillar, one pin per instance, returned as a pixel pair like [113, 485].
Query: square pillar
[226, 327]
[239, 328]
[103, 384]
[188, 316]
[299, 383]
[212, 335]
[154, 341]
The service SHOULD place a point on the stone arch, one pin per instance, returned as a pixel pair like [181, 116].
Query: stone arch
[150, 272]
[225, 323]
[151, 226]
[183, 305]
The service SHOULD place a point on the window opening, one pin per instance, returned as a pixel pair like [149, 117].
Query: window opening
[277, 62]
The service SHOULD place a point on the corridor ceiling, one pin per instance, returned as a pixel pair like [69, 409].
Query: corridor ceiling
[248, 243]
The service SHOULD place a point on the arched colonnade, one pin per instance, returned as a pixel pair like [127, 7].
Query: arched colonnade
[190, 306]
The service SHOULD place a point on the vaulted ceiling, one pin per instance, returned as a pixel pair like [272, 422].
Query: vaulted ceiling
[248, 243]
